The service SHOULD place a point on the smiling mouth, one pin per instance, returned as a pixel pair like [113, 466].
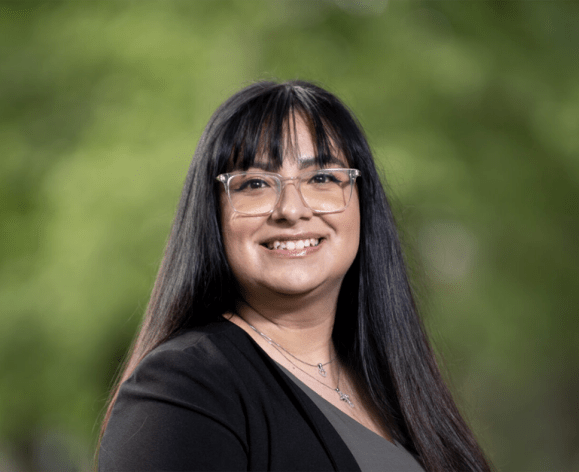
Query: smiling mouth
[291, 245]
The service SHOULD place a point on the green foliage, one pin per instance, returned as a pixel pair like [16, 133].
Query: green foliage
[472, 109]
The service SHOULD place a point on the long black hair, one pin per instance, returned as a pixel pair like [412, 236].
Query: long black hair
[377, 331]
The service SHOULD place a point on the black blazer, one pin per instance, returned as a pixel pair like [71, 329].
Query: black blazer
[212, 399]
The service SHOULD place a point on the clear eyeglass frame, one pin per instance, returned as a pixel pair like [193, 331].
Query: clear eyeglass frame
[281, 182]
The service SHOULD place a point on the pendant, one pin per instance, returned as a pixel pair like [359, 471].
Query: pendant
[321, 370]
[345, 397]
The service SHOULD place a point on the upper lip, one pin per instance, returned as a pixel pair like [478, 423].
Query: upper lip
[291, 237]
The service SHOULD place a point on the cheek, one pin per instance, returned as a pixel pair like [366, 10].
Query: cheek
[231, 246]
[237, 233]
[229, 232]
[227, 241]
[232, 237]
[354, 223]
[354, 239]
[347, 226]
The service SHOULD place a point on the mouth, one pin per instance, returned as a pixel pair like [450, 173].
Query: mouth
[292, 244]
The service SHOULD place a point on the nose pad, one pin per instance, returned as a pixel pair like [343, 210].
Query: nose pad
[291, 207]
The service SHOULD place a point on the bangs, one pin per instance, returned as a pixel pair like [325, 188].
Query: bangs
[263, 131]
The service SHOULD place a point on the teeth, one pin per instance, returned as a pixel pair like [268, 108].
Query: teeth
[292, 245]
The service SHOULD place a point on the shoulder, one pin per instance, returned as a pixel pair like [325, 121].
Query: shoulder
[184, 397]
[196, 363]
[212, 345]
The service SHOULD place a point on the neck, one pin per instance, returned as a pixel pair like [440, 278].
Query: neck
[305, 331]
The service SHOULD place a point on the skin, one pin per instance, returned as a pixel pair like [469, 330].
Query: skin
[312, 273]
[292, 295]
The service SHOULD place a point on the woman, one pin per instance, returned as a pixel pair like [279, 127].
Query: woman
[282, 333]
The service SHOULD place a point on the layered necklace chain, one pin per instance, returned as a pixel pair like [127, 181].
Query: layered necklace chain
[343, 396]
[320, 366]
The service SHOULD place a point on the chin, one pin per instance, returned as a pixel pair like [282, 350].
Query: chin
[284, 284]
[293, 289]
[315, 287]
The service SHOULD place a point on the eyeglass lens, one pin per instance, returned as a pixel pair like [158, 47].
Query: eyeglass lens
[256, 193]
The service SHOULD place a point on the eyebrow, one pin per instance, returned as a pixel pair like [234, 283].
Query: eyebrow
[304, 163]
[311, 161]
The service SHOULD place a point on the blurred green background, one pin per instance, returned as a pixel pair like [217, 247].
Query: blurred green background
[472, 109]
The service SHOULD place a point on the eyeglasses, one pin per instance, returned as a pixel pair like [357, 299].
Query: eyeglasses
[258, 193]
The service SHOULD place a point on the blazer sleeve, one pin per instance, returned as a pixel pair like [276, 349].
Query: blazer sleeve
[178, 411]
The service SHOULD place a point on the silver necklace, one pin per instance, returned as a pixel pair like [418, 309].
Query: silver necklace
[319, 365]
[343, 396]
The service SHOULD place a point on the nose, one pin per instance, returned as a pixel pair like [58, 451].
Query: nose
[291, 206]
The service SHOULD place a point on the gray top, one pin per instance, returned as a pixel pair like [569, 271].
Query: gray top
[371, 451]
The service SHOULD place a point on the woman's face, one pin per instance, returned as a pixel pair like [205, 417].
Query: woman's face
[320, 269]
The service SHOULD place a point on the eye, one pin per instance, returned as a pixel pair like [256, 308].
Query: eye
[324, 178]
[251, 184]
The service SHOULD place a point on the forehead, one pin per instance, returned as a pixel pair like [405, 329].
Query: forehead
[294, 140]
[299, 147]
